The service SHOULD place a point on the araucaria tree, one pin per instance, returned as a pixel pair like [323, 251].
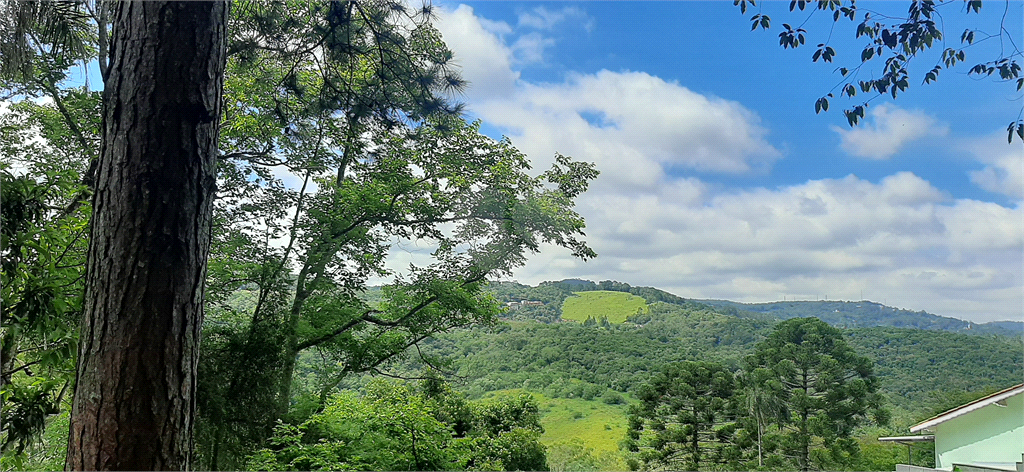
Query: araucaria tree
[827, 389]
[684, 419]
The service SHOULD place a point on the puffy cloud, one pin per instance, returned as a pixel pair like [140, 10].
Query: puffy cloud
[1004, 165]
[529, 48]
[543, 19]
[899, 240]
[888, 129]
[633, 125]
[484, 58]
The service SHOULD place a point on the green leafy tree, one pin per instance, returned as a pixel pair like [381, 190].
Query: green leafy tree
[505, 435]
[339, 149]
[897, 41]
[684, 419]
[827, 388]
[393, 427]
[509, 215]
[46, 151]
[43, 239]
[333, 95]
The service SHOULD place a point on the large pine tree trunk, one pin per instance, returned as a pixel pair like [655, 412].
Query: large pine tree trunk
[135, 398]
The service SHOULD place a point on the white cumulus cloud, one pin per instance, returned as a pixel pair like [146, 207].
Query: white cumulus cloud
[543, 19]
[1004, 165]
[485, 60]
[633, 125]
[900, 240]
[887, 130]
[529, 48]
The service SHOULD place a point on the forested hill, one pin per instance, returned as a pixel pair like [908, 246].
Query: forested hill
[915, 367]
[866, 314]
[843, 314]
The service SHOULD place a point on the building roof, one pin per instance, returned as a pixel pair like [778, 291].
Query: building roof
[908, 439]
[961, 410]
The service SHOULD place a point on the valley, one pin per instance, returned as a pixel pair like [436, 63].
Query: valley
[581, 366]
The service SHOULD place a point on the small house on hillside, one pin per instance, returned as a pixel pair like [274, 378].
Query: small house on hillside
[986, 435]
[521, 303]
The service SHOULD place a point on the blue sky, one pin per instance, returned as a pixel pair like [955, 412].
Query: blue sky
[718, 179]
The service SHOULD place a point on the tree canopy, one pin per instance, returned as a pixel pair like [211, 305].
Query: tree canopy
[685, 419]
[828, 390]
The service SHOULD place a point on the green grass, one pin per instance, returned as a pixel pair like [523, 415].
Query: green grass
[600, 426]
[617, 306]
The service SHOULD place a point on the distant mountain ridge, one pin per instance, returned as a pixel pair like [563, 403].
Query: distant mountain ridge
[866, 314]
[843, 314]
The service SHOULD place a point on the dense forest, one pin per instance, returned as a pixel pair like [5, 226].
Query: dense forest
[911, 363]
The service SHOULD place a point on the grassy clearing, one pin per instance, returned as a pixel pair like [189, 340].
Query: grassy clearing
[617, 306]
[600, 426]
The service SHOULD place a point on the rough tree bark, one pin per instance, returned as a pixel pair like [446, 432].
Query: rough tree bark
[150, 236]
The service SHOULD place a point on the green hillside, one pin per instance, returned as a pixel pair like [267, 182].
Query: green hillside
[580, 373]
[615, 306]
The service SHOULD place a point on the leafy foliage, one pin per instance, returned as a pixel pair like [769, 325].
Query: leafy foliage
[341, 148]
[389, 429]
[43, 239]
[897, 40]
[571, 360]
[392, 427]
[912, 365]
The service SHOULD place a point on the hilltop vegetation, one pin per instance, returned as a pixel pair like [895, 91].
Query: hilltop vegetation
[554, 294]
[842, 314]
[920, 372]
